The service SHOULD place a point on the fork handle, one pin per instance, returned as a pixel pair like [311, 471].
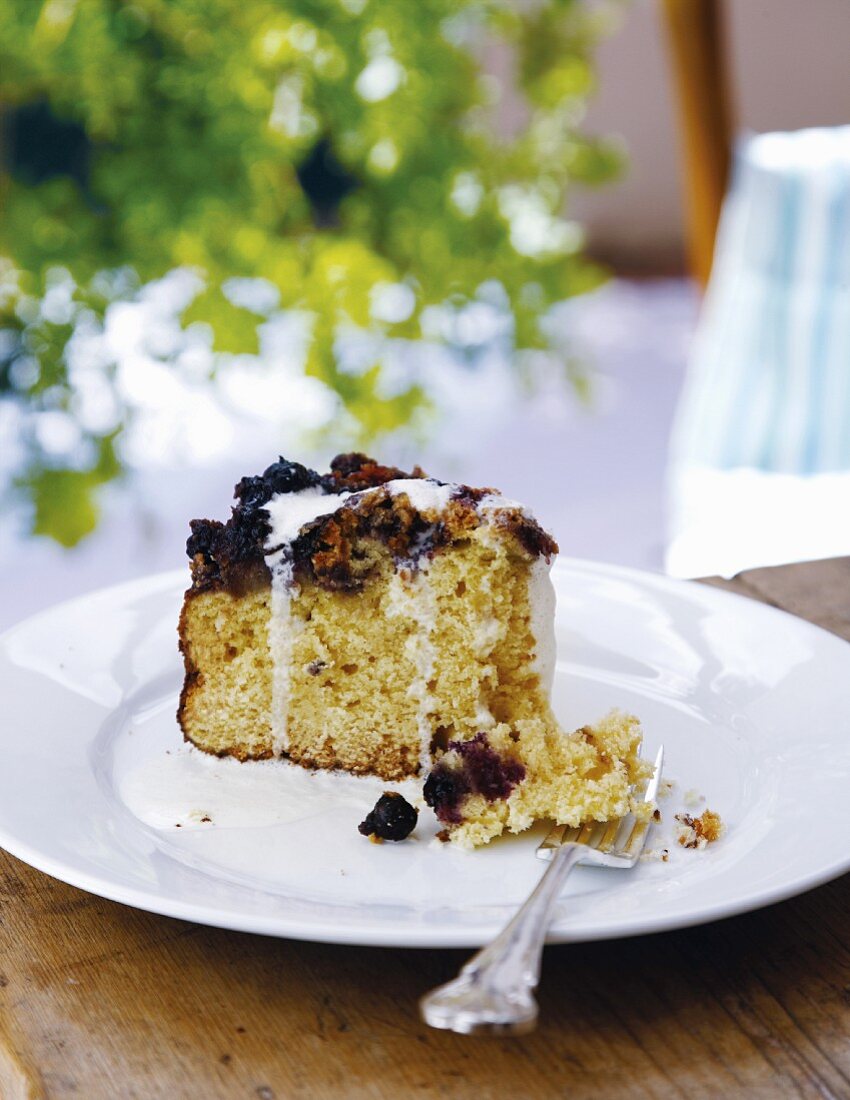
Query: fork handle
[494, 990]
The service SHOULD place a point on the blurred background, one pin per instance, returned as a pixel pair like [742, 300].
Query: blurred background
[484, 235]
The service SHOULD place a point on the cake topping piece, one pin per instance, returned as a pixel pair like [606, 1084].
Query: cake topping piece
[391, 818]
[352, 473]
[697, 832]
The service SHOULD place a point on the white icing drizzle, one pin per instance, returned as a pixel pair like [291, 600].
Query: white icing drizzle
[283, 631]
[495, 502]
[411, 596]
[541, 598]
[288, 513]
[488, 632]
[425, 494]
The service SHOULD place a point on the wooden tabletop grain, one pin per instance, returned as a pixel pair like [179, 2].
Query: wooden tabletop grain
[99, 1000]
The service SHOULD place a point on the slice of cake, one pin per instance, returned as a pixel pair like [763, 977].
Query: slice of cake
[382, 622]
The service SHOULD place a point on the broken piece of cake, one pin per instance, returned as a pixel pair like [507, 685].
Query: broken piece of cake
[382, 622]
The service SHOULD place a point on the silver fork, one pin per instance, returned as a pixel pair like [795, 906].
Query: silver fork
[494, 992]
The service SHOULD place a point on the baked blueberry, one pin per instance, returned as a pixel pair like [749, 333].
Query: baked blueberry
[392, 818]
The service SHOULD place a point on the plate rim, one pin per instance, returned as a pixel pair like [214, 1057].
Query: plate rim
[327, 929]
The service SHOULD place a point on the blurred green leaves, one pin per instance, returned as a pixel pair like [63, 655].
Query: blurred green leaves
[329, 147]
[234, 328]
[64, 501]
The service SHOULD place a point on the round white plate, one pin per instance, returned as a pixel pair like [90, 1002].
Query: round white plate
[749, 702]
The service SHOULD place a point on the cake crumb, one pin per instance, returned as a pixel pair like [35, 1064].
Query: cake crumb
[656, 814]
[375, 839]
[698, 832]
[666, 788]
[199, 817]
[693, 798]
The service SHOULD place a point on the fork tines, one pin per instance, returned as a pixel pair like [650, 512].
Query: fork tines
[623, 837]
[623, 834]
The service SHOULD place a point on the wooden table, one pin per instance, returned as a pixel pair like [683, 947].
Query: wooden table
[98, 1000]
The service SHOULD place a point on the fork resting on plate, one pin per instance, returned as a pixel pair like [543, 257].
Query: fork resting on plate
[494, 992]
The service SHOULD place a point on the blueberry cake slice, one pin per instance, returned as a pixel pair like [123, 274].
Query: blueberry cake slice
[382, 622]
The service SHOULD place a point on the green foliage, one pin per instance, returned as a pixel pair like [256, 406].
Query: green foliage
[64, 501]
[199, 118]
[234, 328]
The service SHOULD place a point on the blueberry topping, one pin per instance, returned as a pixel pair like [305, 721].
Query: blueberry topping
[202, 539]
[281, 477]
[392, 818]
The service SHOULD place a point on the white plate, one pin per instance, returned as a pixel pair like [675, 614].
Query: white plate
[749, 702]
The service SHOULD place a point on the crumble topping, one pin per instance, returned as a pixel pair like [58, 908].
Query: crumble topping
[698, 832]
[232, 555]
